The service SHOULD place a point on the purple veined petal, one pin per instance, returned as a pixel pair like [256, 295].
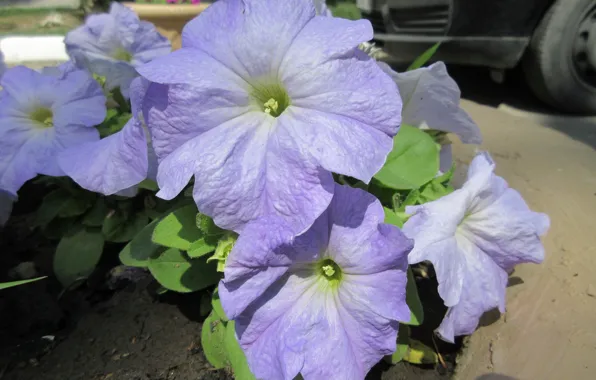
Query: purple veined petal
[60, 70]
[27, 86]
[350, 86]
[110, 165]
[79, 100]
[6, 201]
[176, 114]
[210, 32]
[483, 290]
[359, 151]
[318, 42]
[358, 240]
[431, 100]
[148, 44]
[243, 186]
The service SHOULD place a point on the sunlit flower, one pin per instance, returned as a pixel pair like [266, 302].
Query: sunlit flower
[117, 162]
[474, 237]
[41, 115]
[114, 44]
[325, 304]
[261, 104]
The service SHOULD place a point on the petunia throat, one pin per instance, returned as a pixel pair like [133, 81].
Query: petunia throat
[122, 54]
[272, 98]
[43, 116]
[329, 272]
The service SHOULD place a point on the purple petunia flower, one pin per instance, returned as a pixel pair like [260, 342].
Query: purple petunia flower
[261, 104]
[474, 237]
[119, 161]
[41, 115]
[114, 44]
[325, 304]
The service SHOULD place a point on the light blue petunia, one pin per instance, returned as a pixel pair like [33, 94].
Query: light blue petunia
[114, 44]
[261, 104]
[474, 237]
[40, 116]
[326, 304]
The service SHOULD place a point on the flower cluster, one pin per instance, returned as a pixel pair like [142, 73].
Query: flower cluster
[267, 105]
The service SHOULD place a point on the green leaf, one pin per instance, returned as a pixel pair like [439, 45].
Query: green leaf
[216, 305]
[413, 301]
[119, 98]
[141, 248]
[148, 184]
[97, 214]
[403, 340]
[58, 227]
[236, 355]
[391, 217]
[113, 124]
[207, 226]
[424, 57]
[205, 304]
[178, 229]
[5, 285]
[119, 229]
[174, 271]
[51, 206]
[77, 255]
[75, 205]
[202, 246]
[213, 334]
[413, 161]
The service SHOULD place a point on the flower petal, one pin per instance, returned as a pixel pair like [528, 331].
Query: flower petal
[483, 290]
[109, 165]
[245, 171]
[339, 144]
[431, 100]
[176, 114]
[229, 31]
[351, 86]
[79, 100]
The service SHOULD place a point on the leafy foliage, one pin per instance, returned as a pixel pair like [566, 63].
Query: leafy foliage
[6, 285]
[77, 255]
[413, 161]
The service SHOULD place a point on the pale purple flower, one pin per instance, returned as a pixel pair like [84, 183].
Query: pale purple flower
[431, 101]
[474, 237]
[325, 304]
[41, 115]
[114, 44]
[117, 162]
[261, 104]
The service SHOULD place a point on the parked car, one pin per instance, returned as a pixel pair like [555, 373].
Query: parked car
[553, 40]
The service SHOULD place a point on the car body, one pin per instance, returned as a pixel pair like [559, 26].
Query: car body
[553, 40]
[492, 33]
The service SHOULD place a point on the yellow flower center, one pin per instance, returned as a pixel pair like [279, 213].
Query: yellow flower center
[43, 116]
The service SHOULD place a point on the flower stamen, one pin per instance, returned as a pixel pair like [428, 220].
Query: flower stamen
[271, 105]
[43, 116]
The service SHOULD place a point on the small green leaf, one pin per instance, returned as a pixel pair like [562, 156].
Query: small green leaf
[174, 271]
[391, 217]
[148, 184]
[51, 206]
[207, 226]
[419, 353]
[113, 124]
[77, 255]
[413, 301]
[236, 355]
[75, 206]
[141, 248]
[403, 340]
[413, 161]
[202, 246]
[178, 229]
[424, 57]
[97, 214]
[119, 229]
[5, 285]
[205, 304]
[216, 305]
[213, 334]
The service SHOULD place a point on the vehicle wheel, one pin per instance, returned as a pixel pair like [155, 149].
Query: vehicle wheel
[560, 63]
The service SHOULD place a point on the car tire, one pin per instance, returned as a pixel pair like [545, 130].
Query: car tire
[551, 64]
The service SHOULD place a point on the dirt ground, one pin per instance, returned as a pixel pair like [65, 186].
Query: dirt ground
[548, 331]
